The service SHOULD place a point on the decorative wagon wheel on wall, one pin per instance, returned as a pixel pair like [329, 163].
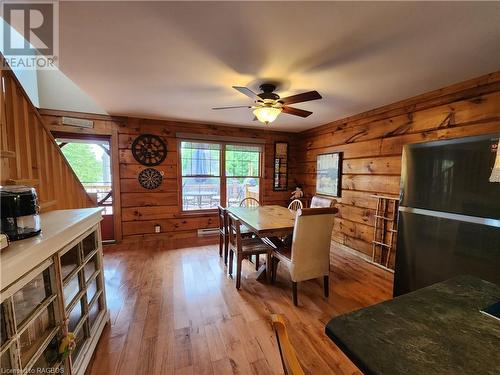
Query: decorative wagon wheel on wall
[150, 178]
[149, 150]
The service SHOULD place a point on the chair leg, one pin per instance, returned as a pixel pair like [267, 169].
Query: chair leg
[326, 286]
[239, 261]
[226, 248]
[221, 244]
[231, 256]
[257, 262]
[269, 267]
[294, 293]
[274, 269]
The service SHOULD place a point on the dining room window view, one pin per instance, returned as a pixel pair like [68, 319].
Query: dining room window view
[215, 173]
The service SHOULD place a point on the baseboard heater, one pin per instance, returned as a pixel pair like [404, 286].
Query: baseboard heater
[208, 232]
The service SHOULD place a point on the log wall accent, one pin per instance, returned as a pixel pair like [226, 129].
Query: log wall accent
[372, 144]
[29, 153]
[140, 209]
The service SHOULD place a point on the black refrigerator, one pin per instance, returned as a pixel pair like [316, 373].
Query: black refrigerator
[449, 214]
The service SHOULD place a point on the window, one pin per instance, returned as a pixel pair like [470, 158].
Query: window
[201, 178]
[217, 172]
[242, 173]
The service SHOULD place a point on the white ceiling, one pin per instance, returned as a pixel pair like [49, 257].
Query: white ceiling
[177, 60]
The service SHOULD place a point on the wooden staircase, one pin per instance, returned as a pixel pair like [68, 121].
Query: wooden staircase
[29, 154]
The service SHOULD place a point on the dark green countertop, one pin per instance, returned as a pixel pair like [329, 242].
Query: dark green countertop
[434, 330]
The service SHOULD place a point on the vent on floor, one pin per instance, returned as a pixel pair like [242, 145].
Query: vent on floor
[208, 232]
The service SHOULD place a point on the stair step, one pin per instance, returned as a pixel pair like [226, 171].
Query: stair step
[24, 181]
[47, 204]
[7, 154]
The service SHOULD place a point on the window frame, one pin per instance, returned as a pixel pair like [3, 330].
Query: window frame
[222, 172]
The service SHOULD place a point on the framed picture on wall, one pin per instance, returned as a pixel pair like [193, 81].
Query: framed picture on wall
[328, 174]
[280, 181]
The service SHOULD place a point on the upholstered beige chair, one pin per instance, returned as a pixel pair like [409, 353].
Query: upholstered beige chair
[318, 201]
[309, 255]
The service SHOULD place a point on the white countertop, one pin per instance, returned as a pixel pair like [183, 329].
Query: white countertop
[58, 229]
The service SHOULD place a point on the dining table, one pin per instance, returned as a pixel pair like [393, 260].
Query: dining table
[439, 329]
[267, 222]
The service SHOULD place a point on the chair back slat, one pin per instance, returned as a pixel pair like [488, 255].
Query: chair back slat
[291, 365]
[249, 202]
[222, 214]
[295, 205]
[234, 232]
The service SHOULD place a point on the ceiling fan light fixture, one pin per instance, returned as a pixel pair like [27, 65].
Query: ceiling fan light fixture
[267, 114]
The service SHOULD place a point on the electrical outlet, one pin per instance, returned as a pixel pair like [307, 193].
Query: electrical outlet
[157, 228]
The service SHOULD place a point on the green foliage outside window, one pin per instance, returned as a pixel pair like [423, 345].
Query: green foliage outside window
[242, 163]
[83, 161]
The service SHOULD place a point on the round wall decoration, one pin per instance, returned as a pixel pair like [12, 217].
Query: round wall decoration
[150, 178]
[149, 150]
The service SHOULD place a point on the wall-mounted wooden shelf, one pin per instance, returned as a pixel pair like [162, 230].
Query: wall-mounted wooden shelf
[386, 216]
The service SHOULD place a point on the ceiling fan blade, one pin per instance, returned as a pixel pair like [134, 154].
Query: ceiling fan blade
[299, 98]
[296, 111]
[246, 91]
[238, 106]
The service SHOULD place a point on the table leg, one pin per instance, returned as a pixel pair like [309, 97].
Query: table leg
[262, 272]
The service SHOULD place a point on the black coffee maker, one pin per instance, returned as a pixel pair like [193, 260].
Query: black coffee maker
[19, 212]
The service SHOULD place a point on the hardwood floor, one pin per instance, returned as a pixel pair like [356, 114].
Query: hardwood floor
[176, 312]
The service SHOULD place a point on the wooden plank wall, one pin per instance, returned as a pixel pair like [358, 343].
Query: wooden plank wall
[29, 154]
[142, 209]
[372, 144]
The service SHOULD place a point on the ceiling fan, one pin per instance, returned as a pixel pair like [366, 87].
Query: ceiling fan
[268, 105]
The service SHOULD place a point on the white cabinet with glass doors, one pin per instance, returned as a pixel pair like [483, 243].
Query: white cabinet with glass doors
[64, 293]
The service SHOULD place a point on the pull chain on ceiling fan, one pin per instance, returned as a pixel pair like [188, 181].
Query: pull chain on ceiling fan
[268, 105]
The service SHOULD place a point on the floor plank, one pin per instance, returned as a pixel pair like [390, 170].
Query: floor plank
[176, 312]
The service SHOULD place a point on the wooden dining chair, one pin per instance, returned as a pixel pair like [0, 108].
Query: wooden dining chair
[249, 202]
[318, 201]
[291, 365]
[223, 232]
[244, 248]
[308, 257]
[295, 205]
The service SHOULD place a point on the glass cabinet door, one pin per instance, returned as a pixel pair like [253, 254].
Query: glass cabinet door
[82, 289]
[3, 327]
[37, 331]
[89, 244]
[30, 327]
[6, 341]
[31, 296]
[70, 261]
[48, 359]
[5, 363]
